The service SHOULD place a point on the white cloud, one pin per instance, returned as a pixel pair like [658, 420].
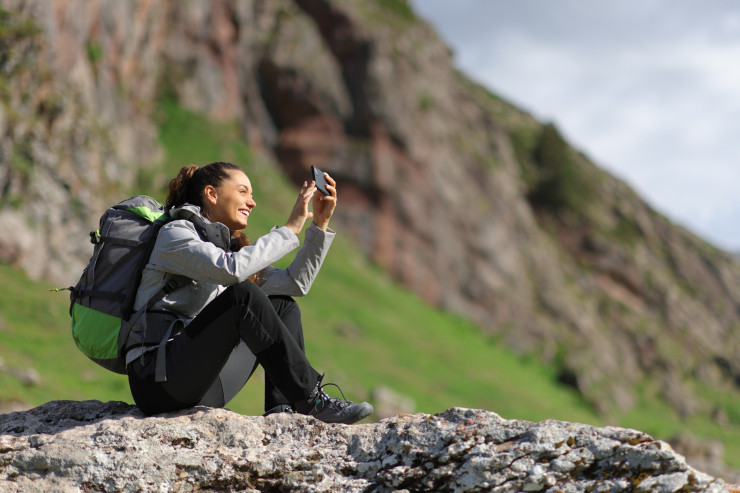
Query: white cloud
[650, 90]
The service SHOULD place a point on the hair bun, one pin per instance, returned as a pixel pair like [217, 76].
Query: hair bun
[177, 190]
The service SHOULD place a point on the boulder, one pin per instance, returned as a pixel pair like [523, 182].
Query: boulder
[94, 446]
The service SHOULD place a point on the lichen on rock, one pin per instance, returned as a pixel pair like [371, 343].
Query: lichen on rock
[95, 446]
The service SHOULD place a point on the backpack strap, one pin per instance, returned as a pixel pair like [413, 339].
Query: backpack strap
[215, 233]
[120, 241]
[81, 293]
[175, 282]
[160, 371]
[160, 366]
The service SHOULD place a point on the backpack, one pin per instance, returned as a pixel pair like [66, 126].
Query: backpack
[104, 326]
[102, 302]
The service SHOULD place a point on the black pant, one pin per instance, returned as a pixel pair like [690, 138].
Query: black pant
[214, 356]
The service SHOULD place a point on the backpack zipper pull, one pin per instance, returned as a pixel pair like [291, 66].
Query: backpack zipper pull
[56, 290]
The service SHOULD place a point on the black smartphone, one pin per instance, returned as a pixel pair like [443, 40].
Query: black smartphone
[318, 177]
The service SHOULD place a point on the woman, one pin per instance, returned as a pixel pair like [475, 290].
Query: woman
[234, 311]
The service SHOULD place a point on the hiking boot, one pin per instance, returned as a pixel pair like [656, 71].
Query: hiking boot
[280, 408]
[330, 409]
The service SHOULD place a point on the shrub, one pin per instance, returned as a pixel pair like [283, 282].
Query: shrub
[558, 184]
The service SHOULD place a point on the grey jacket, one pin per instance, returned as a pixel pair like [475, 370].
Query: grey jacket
[180, 250]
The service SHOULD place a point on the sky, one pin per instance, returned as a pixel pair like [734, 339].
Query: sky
[648, 89]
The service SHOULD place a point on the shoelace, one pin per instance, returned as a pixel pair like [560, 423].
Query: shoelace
[337, 404]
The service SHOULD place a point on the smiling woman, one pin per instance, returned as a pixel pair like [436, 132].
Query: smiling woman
[232, 202]
[222, 306]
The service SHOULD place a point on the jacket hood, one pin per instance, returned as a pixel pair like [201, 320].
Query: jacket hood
[185, 211]
[216, 233]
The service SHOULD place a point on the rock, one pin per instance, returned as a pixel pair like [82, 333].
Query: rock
[27, 376]
[13, 406]
[708, 455]
[349, 331]
[95, 446]
[388, 402]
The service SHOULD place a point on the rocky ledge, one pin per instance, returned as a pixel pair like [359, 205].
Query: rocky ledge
[94, 446]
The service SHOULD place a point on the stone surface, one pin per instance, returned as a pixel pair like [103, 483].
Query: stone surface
[70, 446]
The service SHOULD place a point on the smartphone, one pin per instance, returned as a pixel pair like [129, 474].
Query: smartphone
[318, 177]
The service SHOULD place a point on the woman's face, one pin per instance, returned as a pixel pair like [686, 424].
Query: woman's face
[231, 202]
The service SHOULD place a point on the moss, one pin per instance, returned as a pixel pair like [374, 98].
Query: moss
[425, 101]
[14, 29]
[626, 232]
[398, 8]
[559, 185]
[523, 145]
[21, 169]
[396, 14]
[16, 37]
[639, 478]
[94, 54]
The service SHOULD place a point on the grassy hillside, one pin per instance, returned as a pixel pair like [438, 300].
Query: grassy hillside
[362, 329]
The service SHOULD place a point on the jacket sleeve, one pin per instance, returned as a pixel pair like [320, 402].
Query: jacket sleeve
[297, 279]
[180, 250]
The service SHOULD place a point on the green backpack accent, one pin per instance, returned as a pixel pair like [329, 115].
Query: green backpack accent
[105, 294]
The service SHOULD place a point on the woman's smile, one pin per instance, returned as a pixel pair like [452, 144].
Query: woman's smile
[232, 202]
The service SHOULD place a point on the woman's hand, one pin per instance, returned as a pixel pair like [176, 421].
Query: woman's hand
[300, 213]
[324, 205]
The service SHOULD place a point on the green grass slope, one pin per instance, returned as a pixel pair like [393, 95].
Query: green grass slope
[361, 329]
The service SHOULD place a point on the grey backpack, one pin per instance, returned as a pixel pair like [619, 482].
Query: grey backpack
[104, 296]
[104, 325]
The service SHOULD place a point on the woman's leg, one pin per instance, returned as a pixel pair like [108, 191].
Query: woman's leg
[196, 356]
[233, 376]
[288, 311]
[242, 362]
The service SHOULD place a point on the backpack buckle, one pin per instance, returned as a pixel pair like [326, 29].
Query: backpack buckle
[95, 237]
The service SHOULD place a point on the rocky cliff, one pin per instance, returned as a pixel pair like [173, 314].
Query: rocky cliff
[464, 198]
[90, 446]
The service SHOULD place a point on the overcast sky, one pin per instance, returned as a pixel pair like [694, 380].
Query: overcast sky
[648, 89]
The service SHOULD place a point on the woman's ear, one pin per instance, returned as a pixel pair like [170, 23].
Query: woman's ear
[210, 194]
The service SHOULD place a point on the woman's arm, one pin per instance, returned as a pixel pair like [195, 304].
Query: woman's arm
[180, 250]
[297, 279]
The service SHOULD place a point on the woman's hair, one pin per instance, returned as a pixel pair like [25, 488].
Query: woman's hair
[240, 240]
[187, 187]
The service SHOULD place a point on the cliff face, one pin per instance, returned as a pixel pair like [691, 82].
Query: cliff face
[461, 197]
[74, 125]
[68, 446]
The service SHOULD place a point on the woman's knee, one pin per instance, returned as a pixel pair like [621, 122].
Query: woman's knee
[245, 292]
[288, 311]
[284, 305]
